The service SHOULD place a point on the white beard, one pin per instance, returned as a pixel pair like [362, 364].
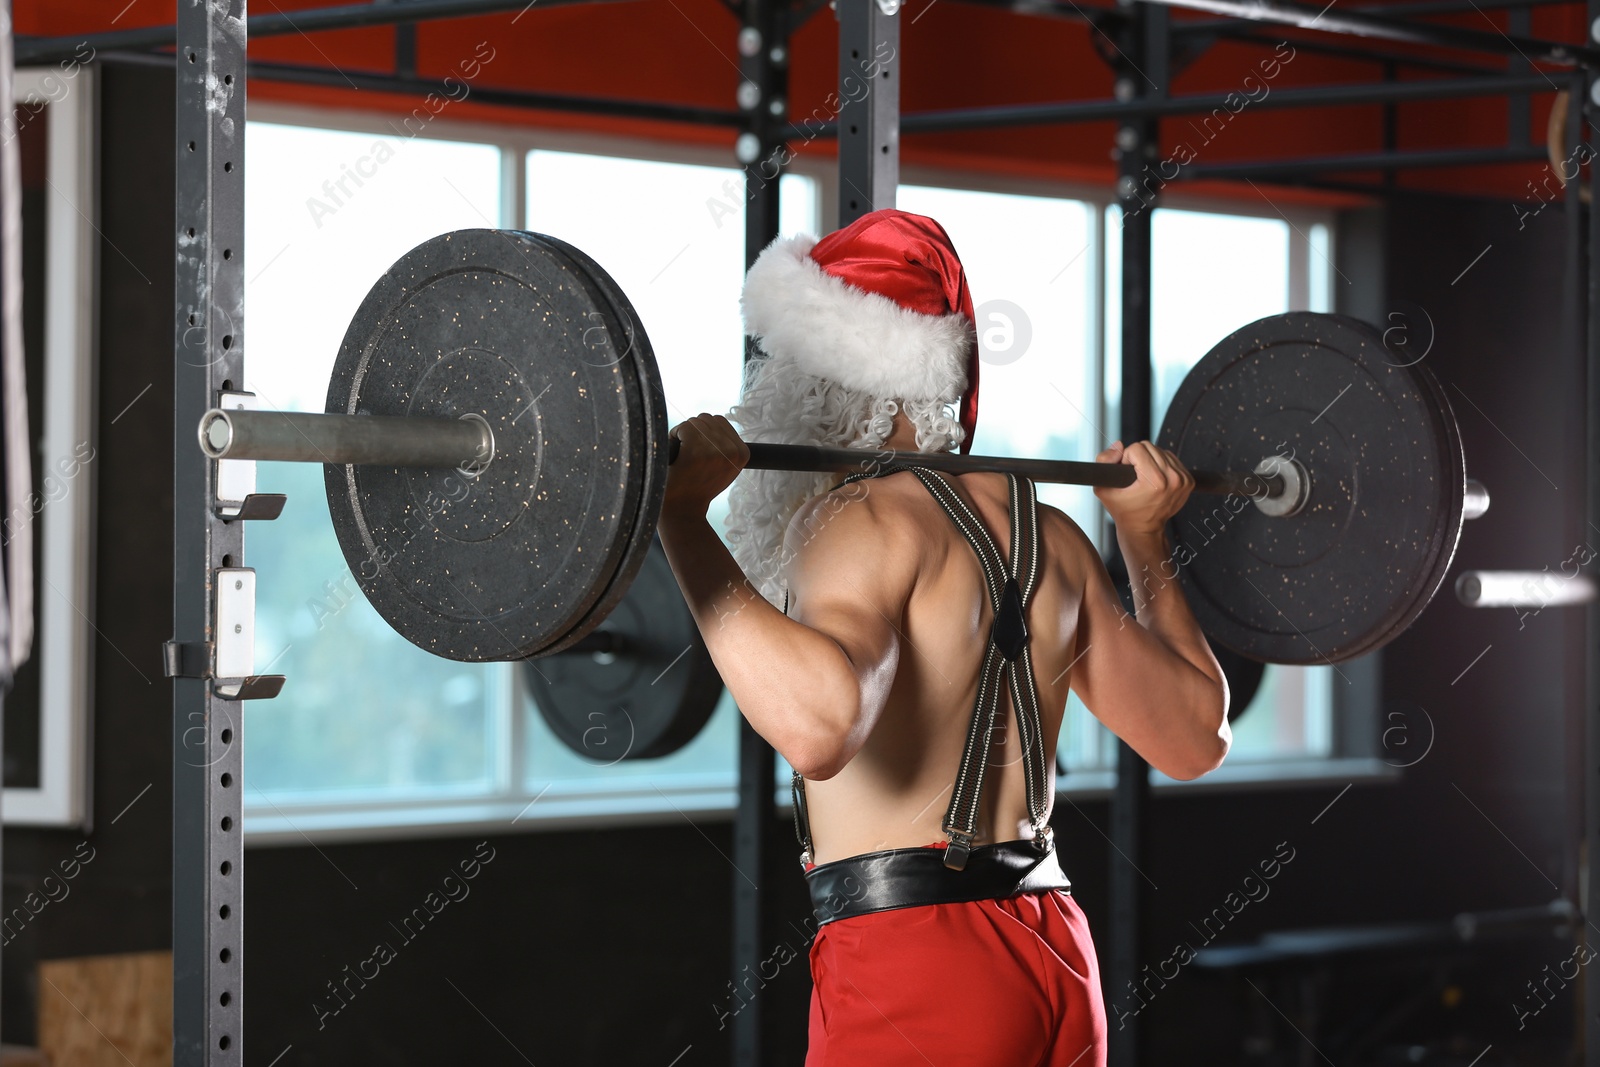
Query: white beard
[782, 404]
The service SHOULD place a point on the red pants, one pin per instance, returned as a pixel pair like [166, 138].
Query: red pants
[1008, 983]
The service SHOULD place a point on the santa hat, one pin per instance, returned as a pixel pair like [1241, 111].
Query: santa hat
[881, 305]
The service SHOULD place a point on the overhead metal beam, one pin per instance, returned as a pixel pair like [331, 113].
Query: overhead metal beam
[1330, 19]
[299, 74]
[1457, 7]
[40, 50]
[482, 94]
[1060, 112]
[1333, 164]
[1185, 34]
[1400, 10]
[1231, 30]
[1067, 9]
[1071, 111]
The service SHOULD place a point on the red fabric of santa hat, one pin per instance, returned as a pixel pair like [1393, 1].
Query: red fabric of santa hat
[881, 305]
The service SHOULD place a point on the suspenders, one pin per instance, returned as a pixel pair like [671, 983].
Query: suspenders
[1006, 662]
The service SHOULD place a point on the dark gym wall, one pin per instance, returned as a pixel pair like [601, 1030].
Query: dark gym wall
[612, 947]
[1483, 819]
[120, 899]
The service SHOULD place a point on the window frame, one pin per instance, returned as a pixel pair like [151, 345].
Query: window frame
[64, 637]
[710, 796]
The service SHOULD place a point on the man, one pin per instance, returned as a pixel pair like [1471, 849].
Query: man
[904, 618]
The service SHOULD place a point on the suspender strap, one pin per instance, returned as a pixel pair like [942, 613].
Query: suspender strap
[802, 818]
[1006, 662]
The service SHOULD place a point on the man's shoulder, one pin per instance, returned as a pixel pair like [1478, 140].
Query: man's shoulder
[864, 508]
[897, 503]
[1061, 530]
[866, 533]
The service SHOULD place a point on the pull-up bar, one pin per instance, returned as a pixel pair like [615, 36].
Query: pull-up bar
[1365, 24]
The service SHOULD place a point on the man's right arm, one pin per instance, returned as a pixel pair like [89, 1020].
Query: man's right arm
[1150, 677]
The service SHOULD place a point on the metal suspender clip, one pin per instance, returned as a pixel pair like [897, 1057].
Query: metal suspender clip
[955, 854]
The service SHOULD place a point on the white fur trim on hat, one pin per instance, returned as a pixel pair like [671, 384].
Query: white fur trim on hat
[833, 330]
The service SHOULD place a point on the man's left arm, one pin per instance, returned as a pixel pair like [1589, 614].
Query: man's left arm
[813, 688]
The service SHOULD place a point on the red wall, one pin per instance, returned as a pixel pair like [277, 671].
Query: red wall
[954, 55]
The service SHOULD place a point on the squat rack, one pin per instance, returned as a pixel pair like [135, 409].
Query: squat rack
[1143, 46]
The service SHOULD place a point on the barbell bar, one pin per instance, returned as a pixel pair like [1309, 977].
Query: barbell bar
[467, 444]
[390, 440]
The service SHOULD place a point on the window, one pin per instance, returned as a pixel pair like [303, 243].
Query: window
[365, 716]
[1213, 273]
[47, 745]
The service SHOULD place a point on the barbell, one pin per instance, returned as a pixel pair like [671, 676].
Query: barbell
[495, 452]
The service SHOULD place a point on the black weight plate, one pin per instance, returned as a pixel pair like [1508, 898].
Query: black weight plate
[536, 549]
[1244, 678]
[651, 697]
[1373, 543]
[617, 339]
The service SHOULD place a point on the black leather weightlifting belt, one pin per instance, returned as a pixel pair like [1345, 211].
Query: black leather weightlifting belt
[912, 877]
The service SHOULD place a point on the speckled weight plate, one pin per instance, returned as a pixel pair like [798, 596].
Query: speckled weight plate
[531, 554]
[648, 699]
[1377, 535]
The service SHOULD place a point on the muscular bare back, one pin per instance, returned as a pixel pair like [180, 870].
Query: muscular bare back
[867, 685]
[895, 792]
